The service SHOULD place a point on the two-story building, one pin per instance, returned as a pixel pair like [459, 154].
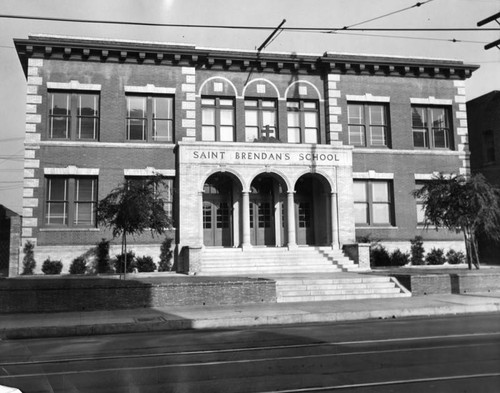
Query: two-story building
[274, 150]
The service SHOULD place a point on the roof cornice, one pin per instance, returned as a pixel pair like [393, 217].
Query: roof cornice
[157, 53]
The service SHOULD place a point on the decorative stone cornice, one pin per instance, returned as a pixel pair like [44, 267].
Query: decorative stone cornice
[108, 50]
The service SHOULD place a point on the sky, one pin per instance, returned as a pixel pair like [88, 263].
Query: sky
[298, 13]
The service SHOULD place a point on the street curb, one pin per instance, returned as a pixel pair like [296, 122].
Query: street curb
[248, 321]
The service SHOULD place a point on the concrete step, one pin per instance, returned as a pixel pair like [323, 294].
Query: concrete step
[337, 297]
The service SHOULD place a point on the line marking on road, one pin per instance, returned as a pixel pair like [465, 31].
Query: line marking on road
[384, 383]
[240, 361]
[250, 349]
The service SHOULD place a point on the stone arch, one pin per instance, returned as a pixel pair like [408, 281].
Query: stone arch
[278, 175]
[322, 175]
[206, 89]
[228, 171]
[297, 95]
[256, 94]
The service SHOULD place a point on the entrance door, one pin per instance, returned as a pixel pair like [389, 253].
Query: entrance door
[217, 215]
[262, 220]
[304, 214]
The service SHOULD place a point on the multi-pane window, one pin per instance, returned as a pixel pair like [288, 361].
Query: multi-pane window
[150, 118]
[373, 202]
[303, 123]
[217, 119]
[420, 205]
[71, 201]
[489, 146]
[368, 124]
[260, 119]
[73, 115]
[165, 191]
[431, 127]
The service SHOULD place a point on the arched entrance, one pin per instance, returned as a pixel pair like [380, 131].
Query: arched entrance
[312, 210]
[267, 204]
[220, 193]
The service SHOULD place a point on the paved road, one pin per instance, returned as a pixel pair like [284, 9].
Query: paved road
[453, 354]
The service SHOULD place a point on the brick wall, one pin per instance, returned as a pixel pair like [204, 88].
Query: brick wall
[23, 295]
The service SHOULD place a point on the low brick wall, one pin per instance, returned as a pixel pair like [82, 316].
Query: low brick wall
[475, 282]
[53, 295]
[426, 284]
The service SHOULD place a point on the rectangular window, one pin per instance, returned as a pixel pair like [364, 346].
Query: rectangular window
[368, 124]
[166, 191]
[260, 120]
[150, 118]
[73, 115]
[373, 202]
[431, 127]
[71, 201]
[303, 122]
[419, 204]
[217, 119]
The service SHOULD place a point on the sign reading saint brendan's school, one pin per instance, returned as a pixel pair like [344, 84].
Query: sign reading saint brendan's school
[254, 154]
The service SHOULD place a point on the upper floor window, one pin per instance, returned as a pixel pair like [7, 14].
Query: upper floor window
[373, 202]
[73, 115]
[367, 124]
[431, 127]
[150, 118]
[260, 119]
[217, 119]
[489, 146]
[71, 201]
[303, 121]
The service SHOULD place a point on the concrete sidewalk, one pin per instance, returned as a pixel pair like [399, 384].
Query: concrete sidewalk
[214, 317]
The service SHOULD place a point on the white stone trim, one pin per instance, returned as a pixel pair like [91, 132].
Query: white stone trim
[431, 101]
[149, 89]
[372, 175]
[72, 170]
[149, 171]
[367, 97]
[106, 144]
[360, 150]
[73, 85]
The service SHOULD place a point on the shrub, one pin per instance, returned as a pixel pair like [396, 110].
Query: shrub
[435, 257]
[417, 251]
[455, 257]
[102, 257]
[120, 262]
[29, 262]
[166, 264]
[78, 266]
[145, 264]
[51, 267]
[379, 256]
[399, 258]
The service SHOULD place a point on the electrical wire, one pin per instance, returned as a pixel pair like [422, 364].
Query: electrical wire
[234, 27]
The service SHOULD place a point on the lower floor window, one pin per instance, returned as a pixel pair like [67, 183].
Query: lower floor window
[71, 201]
[165, 192]
[373, 202]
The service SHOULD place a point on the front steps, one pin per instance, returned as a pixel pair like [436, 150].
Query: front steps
[344, 287]
[274, 260]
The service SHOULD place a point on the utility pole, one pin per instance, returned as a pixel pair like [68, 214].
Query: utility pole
[488, 20]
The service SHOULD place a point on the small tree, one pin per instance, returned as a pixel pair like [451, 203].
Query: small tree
[417, 251]
[102, 257]
[29, 262]
[470, 206]
[133, 208]
[166, 255]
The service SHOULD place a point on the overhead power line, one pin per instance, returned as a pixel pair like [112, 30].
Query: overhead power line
[235, 27]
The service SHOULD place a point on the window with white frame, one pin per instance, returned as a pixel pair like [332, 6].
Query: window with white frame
[71, 201]
[373, 202]
[368, 124]
[165, 191]
[260, 119]
[217, 119]
[303, 122]
[150, 118]
[73, 115]
[431, 127]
